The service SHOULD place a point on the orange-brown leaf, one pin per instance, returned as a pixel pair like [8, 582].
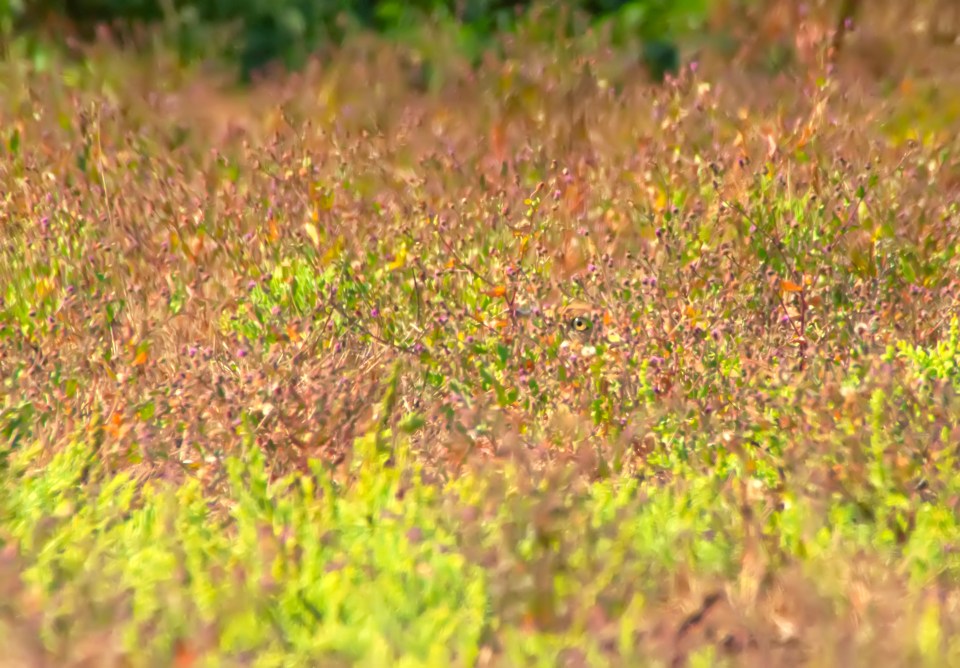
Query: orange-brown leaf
[790, 286]
[498, 142]
[184, 656]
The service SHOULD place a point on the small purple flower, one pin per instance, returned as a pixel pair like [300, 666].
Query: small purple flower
[784, 319]
[418, 348]
[192, 351]
[251, 285]
[592, 268]
[655, 361]
[374, 312]
[242, 352]
[275, 311]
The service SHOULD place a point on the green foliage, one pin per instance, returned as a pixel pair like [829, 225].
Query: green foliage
[292, 569]
[939, 363]
[289, 31]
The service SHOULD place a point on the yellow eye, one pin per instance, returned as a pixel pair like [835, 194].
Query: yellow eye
[580, 323]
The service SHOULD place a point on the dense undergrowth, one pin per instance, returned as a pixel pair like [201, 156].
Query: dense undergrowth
[551, 366]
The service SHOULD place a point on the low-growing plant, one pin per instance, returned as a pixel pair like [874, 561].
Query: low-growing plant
[541, 364]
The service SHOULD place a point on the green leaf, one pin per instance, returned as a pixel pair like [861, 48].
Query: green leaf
[412, 422]
[907, 269]
[503, 353]
[147, 411]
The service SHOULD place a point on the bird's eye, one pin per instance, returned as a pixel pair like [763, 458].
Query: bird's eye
[580, 323]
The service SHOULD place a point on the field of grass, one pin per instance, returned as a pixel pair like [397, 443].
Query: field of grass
[548, 366]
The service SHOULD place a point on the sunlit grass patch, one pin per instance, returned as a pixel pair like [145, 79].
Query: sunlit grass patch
[296, 567]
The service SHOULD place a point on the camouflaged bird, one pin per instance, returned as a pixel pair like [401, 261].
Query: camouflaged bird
[578, 321]
[581, 321]
[588, 324]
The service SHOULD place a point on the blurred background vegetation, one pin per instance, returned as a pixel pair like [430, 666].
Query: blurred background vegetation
[252, 34]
